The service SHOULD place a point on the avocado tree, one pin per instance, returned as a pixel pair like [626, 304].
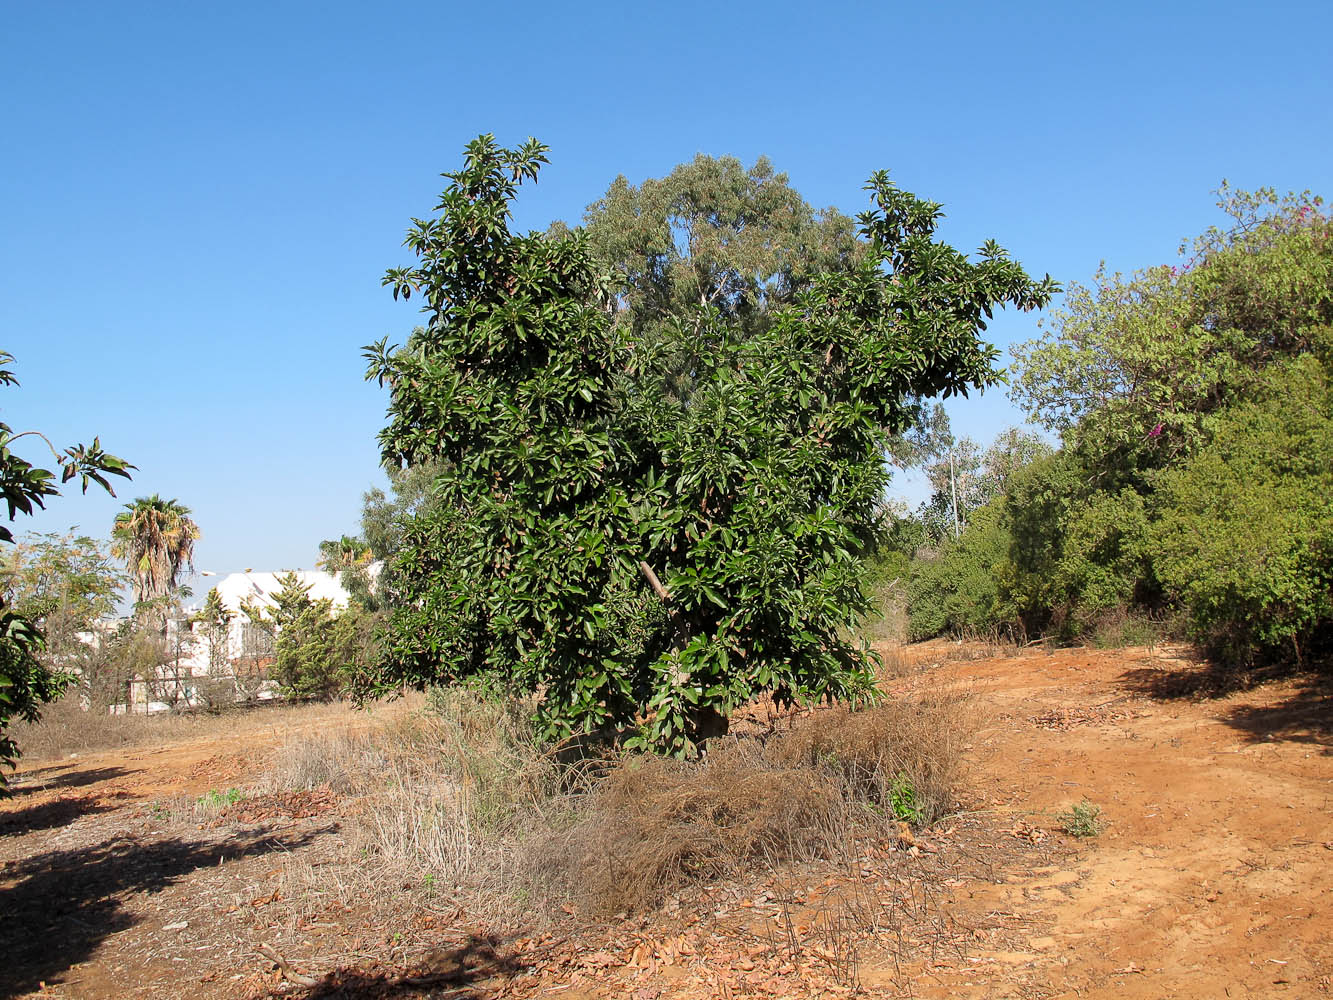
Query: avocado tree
[25, 682]
[636, 557]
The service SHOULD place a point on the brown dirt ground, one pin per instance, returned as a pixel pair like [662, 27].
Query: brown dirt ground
[1212, 878]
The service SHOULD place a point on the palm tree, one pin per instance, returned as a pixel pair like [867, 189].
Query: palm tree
[156, 538]
[343, 553]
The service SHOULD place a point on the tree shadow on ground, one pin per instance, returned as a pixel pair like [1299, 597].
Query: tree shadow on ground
[28, 782]
[59, 906]
[57, 812]
[1305, 715]
[459, 973]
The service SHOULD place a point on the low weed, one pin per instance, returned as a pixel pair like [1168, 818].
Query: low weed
[215, 799]
[1081, 820]
[209, 806]
[902, 800]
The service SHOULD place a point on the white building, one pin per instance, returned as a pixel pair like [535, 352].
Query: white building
[234, 589]
[207, 667]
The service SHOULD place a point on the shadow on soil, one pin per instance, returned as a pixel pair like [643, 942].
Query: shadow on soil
[58, 812]
[455, 972]
[45, 780]
[59, 906]
[1305, 716]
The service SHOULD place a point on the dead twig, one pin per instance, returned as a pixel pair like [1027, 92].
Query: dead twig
[288, 973]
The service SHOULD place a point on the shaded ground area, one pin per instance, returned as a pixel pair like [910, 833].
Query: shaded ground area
[1213, 875]
[61, 904]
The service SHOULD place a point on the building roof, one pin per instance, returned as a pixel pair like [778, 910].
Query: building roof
[259, 588]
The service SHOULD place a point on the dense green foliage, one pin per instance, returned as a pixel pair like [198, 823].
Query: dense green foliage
[25, 681]
[67, 586]
[961, 592]
[1195, 417]
[573, 471]
[65, 582]
[1248, 541]
[317, 649]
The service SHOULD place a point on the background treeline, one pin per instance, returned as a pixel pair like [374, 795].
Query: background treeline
[1191, 489]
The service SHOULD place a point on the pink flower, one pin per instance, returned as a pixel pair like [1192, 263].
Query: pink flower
[1155, 432]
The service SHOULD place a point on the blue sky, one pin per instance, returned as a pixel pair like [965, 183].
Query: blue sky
[199, 201]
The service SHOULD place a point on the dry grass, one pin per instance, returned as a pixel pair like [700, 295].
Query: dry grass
[887, 622]
[66, 728]
[895, 662]
[966, 649]
[653, 826]
[442, 797]
[903, 757]
[460, 798]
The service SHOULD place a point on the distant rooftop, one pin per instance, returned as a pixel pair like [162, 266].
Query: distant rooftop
[259, 588]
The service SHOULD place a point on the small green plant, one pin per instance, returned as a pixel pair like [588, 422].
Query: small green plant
[428, 883]
[220, 800]
[903, 801]
[1082, 819]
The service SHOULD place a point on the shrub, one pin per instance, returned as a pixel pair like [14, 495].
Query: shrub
[1246, 534]
[461, 793]
[652, 825]
[317, 649]
[962, 590]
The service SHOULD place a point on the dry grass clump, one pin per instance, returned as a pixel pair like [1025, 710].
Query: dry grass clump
[442, 796]
[895, 662]
[461, 797]
[903, 757]
[653, 826]
[346, 761]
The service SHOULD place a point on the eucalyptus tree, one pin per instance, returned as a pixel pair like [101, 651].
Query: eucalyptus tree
[714, 236]
[712, 233]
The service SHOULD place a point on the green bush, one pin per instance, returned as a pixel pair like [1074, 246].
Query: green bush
[1246, 532]
[1104, 559]
[963, 589]
[317, 650]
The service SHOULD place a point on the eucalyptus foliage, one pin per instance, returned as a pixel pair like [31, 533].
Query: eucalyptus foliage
[714, 234]
[637, 556]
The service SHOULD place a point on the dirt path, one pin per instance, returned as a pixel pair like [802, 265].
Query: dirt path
[1213, 875]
